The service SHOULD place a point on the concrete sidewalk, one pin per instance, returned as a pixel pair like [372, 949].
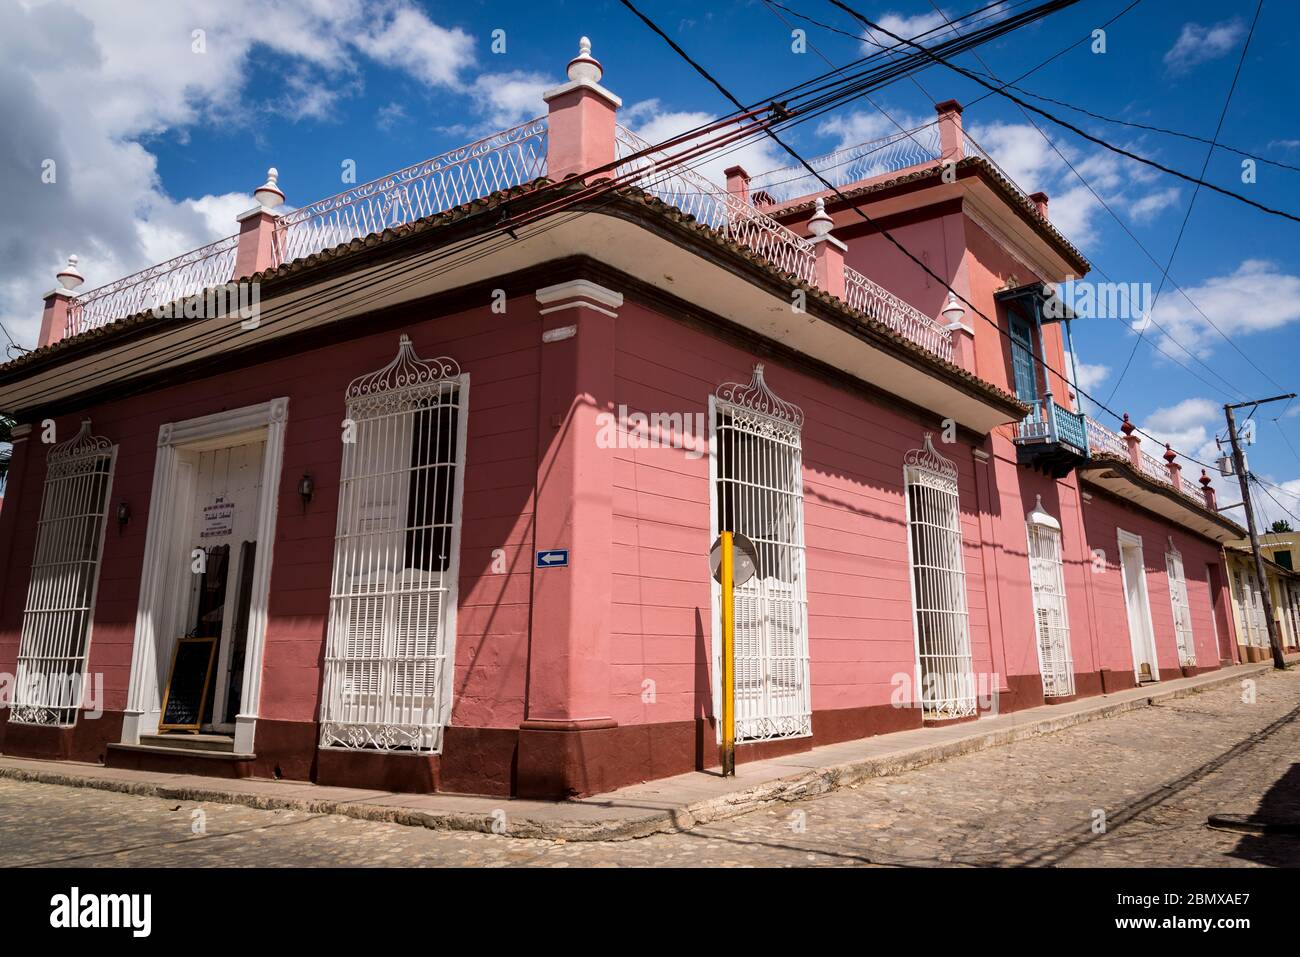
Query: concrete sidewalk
[670, 804]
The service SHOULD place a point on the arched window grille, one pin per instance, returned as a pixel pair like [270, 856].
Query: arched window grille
[1182, 608]
[1051, 616]
[388, 658]
[946, 679]
[759, 470]
[51, 672]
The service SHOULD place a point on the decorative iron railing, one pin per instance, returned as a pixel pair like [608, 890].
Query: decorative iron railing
[904, 318]
[678, 185]
[852, 164]
[1052, 423]
[500, 161]
[1102, 439]
[508, 159]
[186, 275]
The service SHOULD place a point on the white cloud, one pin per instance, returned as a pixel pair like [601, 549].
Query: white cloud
[506, 99]
[1091, 374]
[87, 83]
[1152, 205]
[404, 38]
[862, 126]
[1230, 301]
[1030, 160]
[907, 27]
[1197, 44]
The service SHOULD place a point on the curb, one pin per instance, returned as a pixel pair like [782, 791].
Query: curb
[780, 790]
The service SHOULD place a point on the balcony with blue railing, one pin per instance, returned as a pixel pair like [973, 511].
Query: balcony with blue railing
[1052, 437]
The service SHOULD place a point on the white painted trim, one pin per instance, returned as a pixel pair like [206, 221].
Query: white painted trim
[560, 334]
[578, 304]
[583, 84]
[715, 589]
[157, 613]
[579, 289]
[447, 692]
[1131, 541]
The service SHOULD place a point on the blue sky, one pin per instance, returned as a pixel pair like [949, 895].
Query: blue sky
[159, 146]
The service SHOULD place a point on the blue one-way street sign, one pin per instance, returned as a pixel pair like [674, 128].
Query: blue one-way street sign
[553, 558]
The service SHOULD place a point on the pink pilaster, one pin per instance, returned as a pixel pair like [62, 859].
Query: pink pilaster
[1175, 470]
[1133, 442]
[54, 319]
[569, 654]
[952, 144]
[580, 122]
[737, 183]
[1207, 489]
[256, 250]
[828, 266]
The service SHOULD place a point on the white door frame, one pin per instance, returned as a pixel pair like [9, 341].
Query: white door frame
[1131, 542]
[159, 614]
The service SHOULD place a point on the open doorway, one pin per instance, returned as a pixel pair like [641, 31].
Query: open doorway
[1141, 632]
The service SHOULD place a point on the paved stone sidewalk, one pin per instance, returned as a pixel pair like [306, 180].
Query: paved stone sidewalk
[1156, 773]
[663, 806]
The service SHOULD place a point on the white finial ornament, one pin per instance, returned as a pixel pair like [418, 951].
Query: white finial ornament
[953, 310]
[68, 276]
[821, 223]
[585, 67]
[269, 194]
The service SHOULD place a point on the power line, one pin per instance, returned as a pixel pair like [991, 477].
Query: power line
[1144, 126]
[1070, 126]
[952, 26]
[851, 205]
[1191, 203]
[1105, 205]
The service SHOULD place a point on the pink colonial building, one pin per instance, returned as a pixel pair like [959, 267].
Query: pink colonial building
[432, 511]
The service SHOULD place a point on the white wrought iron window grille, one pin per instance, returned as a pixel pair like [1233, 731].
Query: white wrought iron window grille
[941, 619]
[51, 674]
[759, 489]
[389, 651]
[1051, 616]
[1182, 607]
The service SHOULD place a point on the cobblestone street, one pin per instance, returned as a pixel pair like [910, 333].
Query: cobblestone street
[1155, 774]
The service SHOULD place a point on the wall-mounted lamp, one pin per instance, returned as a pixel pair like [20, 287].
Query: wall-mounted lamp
[123, 515]
[306, 488]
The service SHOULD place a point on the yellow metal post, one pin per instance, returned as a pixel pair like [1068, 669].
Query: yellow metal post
[728, 656]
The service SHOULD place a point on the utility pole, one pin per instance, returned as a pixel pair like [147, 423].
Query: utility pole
[1239, 464]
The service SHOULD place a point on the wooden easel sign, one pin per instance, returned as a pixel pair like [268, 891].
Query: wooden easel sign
[187, 688]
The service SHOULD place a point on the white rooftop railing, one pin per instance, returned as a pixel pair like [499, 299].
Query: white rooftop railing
[500, 161]
[911, 323]
[184, 275]
[710, 204]
[714, 206]
[504, 160]
[852, 164]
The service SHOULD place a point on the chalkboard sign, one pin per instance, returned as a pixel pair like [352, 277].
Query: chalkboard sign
[187, 689]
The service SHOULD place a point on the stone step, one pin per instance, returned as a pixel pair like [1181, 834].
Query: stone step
[190, 742]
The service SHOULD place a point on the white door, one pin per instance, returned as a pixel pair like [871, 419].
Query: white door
[1139, 610]
[223, 526]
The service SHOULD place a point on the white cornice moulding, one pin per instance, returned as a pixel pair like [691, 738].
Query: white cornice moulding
[579, 293]
[592, 85]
